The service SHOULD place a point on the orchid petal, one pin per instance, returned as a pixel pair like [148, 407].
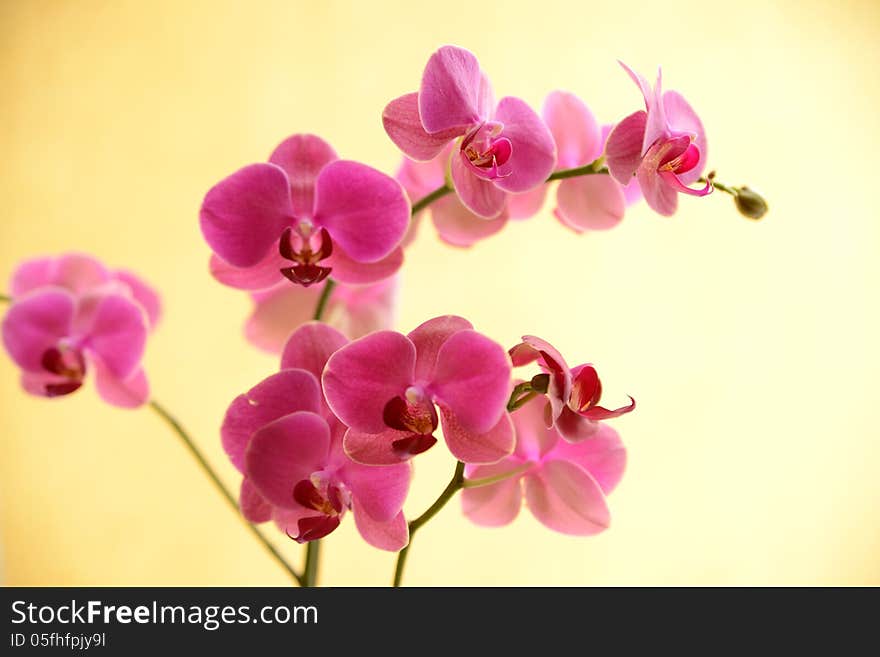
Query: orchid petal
[603, 456]
[428, 337]
[392, 535]
[243, 215]
[253, 506]
[574, 129]
[302, 157]
[381, 491]
[36, 323]
[623, 148]
[482, 197]
[471, 447]
[567, 499]
[404, 126]
[277, 312]
[497, 504]
[263, 275]
[590, 203]
[310, 346]
[458, 226]
[117, 332]
[145, 296]
[454, 93]
[534, 151]
[130, 392]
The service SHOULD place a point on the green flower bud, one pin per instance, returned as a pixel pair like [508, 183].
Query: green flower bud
[749, 203]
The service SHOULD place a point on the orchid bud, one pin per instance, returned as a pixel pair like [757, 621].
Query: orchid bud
[749, 203]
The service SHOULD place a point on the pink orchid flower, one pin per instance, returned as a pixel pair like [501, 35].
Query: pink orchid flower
[455, 224]
[499, 149]
[564, 485]
[71, 314]
[288, 445]
[591, 202]
[303, 215]
[573, 395]
[385, 387]
[353, 309]
[664, 147]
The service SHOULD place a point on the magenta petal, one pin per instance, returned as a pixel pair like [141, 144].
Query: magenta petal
[575, 428]
[31, 275]
[365, 211]
[76, 272]
[534, 151]
[495, 505]
[683, 119]
[285, 452]
[472, 378]
[310, 346]
[146, 297]
[392, 535]
[603, 456]
[243, 215]
[481, 197]
[364, 375]
[283, 393]
[277, 312]
[36, 323]
[552, 362]
[351, 272]
[381, 491]
[623, 149]
[590, 203]
[117, 331]
[253, 506]
[659, 195]
[526, 204]
[130, 392]
[471, 447]
[373, 449]
[565, 498]
[302, 157]
[428, 337]
[261, 276]
[404, 127]
[454, 94]
[458, 226]
[574, 129]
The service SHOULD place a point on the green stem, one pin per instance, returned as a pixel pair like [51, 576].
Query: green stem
[313, 555]
[488, 481]
[324, 298]
[719, 185]
[425, 201]
[588, 169]
[5, 298]
[197, 454]
[455, 484]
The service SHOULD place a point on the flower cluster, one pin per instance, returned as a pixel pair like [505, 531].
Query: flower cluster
[317, 242]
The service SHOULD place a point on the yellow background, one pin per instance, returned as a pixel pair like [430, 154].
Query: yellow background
[751, 348]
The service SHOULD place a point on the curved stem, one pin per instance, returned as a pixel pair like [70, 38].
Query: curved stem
[425, 201]
[206, 467]
[323, 299]
[488, 481]
[451, 489]
[718, 185]
[595, 167]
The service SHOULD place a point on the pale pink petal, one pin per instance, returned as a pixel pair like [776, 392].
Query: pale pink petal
[253, 506]
[533, 438]
[278, 312]
[404, 127]
[603, 456]
[280, 394]
[567, 499]
[421, 178]
[131, 392]
[458, 226]
[428, 337]
[362, 309]
[381, 491]
[472, 378]
[683, 119]
[526, 204]
[302, 157]
[243, 215]
[495, 505]
[392, 535]
[365, 211]
[145, 295]
[482, 197]
[117, 332]
[374, 449]
[363, 376]
[454, 94]
[534, 151]
[661, 197]
[285, 452]
[261, 276]
[632, 192]
[36, 323]
[471, 447]
[574, 129]
[623, 149]
[310, 346]
[76, 272]
[656, 126]
[593, 202]
[349, 271]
